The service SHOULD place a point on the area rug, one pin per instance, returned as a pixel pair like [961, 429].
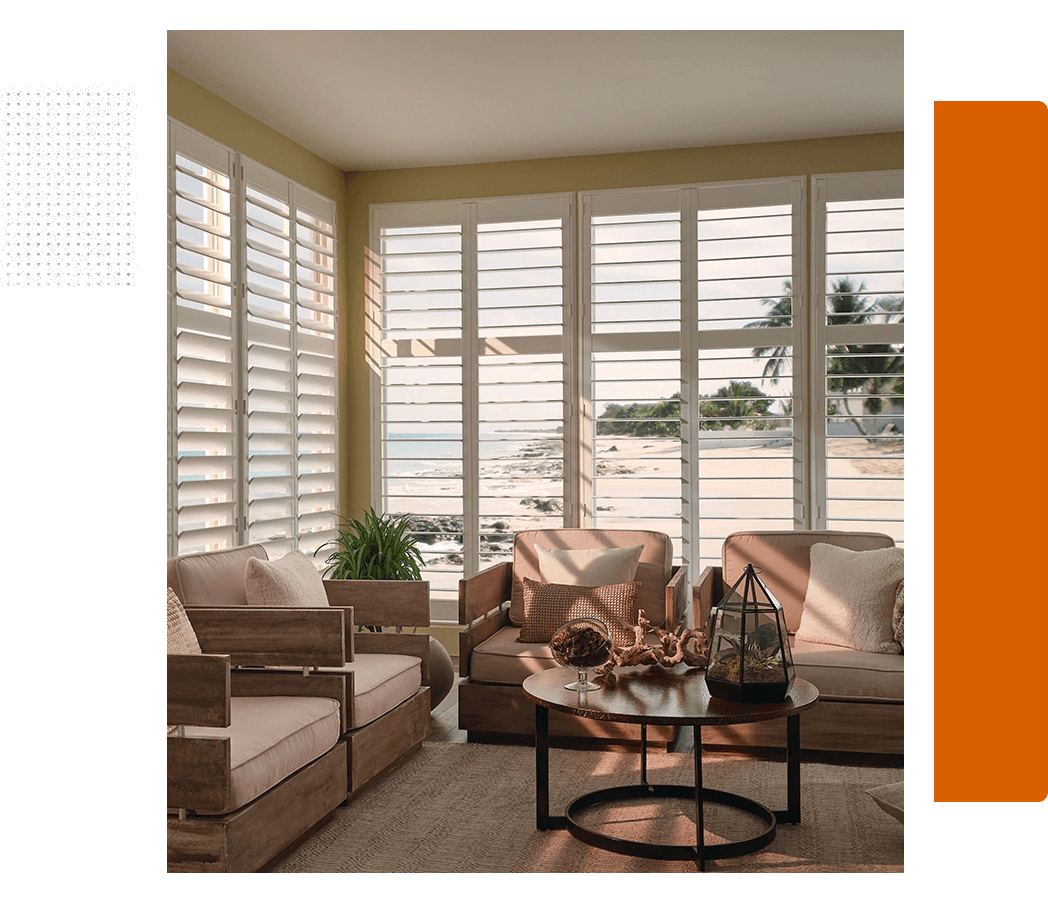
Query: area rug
[455, 807]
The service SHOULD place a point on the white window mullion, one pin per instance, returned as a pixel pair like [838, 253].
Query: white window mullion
[584, 412]
[691, 512]
[470, 404]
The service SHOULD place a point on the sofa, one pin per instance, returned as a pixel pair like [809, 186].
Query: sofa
[278, 714]
[493, 664]
[860, 708]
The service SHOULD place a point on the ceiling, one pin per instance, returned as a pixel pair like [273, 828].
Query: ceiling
[369, 100]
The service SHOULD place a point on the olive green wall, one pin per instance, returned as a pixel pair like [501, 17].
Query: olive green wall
[355, 192]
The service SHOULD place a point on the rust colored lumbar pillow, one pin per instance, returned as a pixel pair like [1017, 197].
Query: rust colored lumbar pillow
[548, 606]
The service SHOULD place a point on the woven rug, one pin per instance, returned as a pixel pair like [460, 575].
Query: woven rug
[455, 807]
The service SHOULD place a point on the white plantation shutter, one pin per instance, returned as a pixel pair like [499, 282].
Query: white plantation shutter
[631, 324]
[254, 360]
[858, 266]
[420, 437]
[744, 434]
[202, 336]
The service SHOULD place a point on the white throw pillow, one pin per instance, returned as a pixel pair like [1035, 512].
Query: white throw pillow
[288, 582]
[588, 567]
[850, 598]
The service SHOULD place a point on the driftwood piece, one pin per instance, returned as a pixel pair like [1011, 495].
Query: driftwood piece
[671, 648]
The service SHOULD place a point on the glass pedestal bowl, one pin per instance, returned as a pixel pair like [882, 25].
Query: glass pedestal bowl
[582, 644]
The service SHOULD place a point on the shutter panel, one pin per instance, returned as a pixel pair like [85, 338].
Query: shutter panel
[860, 266]
[203, 336]
[744, 467]
[421, 375]
[521, 287]
[631, 327]
[271, 405]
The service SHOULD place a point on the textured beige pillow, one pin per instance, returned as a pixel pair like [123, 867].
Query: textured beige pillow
[850, 598]
[288, 582]
[548, 606]
[588, 567]
[181, 637]
[897, 615]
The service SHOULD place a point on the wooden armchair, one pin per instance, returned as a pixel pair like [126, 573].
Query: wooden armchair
[493, 664]
[377, 679]
[239, 790]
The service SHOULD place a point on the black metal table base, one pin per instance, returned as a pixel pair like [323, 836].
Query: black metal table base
[700, 851]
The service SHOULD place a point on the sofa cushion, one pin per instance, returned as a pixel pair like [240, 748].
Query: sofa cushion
[381, 682]
[843, 674]
[784, 558]
[272, 737]
[850, 598]
[654, 568]
[548, 606]
[588, 567]
[289, 582]
[212, 579]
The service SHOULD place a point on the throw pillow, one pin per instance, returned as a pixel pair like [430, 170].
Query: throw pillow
[548, 606]
[588, 567]
[890, 798]
[288, 582]
[181, 637]
[897, 616]
[850, 598]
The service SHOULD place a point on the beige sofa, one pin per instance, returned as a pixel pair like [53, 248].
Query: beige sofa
[860, 708]
[283, 716]
[493, 665]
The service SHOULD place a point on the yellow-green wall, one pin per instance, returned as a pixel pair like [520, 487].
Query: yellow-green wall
[355, 192]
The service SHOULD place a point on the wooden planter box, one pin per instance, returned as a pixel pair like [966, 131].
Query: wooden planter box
[382, 603]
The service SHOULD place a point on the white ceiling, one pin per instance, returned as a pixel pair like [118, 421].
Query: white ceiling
[368, 100]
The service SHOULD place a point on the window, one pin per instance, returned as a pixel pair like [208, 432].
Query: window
[469, 324]
[696, 387]
[252, 363]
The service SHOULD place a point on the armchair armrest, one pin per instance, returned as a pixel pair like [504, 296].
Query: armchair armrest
[198, 690]
[273, 636]
[677, 598]
[382, 603]
[485, 591]
[707, 594]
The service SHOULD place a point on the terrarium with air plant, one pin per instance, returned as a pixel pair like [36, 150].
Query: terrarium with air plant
[749, 651]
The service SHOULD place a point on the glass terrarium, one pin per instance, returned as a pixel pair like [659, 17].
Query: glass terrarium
[749, 651]
[582, 643]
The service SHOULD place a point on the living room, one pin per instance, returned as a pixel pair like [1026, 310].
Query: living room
[789, 168]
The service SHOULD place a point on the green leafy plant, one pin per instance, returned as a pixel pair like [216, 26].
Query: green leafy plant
[377, 548]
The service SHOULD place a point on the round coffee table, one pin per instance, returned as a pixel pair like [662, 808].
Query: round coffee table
[671, 697]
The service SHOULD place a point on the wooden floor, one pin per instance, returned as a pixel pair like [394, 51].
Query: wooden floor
[444, 729]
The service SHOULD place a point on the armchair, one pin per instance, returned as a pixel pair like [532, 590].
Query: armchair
[377, 682]
[492, 705]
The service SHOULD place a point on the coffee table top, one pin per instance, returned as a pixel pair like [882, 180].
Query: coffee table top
[653, 695]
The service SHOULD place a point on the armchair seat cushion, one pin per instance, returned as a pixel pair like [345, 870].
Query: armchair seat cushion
[848, 674]
[381, 683]
[272, 737]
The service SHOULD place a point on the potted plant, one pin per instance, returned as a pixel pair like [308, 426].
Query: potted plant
[376, 568]
[377, 557]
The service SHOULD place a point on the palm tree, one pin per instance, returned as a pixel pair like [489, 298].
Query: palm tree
[872, 370]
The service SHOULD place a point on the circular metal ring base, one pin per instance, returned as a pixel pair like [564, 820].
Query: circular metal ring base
[724, 850]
